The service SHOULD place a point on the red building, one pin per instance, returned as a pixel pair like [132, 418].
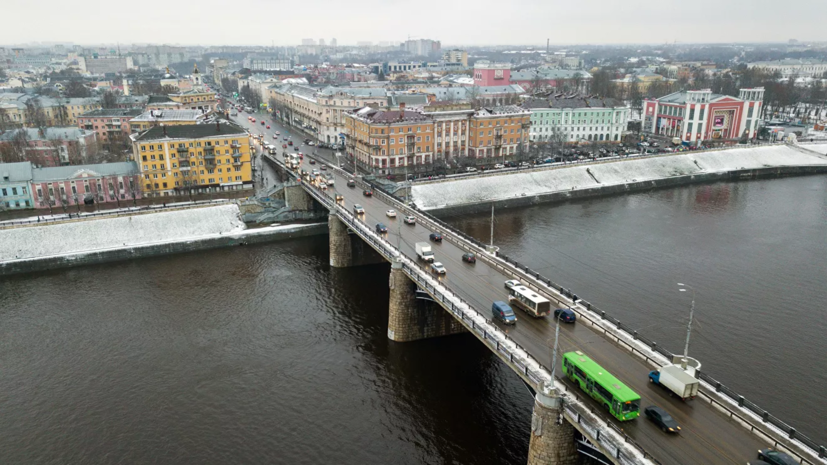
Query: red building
[699, 115]
[65, 186]
[108, 123]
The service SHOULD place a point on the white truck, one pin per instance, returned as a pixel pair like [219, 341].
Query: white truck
[424, 252]
[674, 378]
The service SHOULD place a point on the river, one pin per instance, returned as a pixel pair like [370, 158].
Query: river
[266, 354]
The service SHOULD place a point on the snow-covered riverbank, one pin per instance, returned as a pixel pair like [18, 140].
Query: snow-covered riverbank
[532, 183]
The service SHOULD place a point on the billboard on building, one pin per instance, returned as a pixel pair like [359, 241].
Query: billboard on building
[718, 121]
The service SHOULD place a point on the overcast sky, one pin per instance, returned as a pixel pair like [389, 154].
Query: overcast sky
[480, 22]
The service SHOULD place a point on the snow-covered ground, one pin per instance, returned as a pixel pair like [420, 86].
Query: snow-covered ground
[820, 148]
[119, 232]
[536, 182]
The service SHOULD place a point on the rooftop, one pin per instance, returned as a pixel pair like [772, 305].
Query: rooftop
[112, 112]
[55, 133]
[500, 110]
[192, 131]
[373, 115]
[58, 173]
[576, 101]
[169, 115]
[16, 172]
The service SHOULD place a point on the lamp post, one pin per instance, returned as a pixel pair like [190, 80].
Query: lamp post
[689, 325]
[554, 352]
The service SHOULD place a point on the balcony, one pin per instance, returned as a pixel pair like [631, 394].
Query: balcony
[237, 155]
[180, 149]
[184, 168]
[235, 145]
[525, 125]
[237, 163]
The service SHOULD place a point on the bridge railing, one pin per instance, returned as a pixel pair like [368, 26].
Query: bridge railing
[604, 432]
[623, 334]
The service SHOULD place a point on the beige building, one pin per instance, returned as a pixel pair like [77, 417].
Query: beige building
[166, 117]
[455, 56]
[17, 109]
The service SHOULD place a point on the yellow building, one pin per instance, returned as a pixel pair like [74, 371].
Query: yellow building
[154, 118]
[196, 158]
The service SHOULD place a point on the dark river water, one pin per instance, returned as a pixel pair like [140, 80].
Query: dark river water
[267, 355]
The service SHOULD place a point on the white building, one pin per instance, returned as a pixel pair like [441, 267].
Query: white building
[578, 119]
[791, 67]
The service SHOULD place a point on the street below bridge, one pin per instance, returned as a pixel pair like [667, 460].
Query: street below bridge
[707, 436]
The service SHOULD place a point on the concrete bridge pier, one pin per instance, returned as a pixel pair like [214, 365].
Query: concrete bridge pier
[410, 319]
[349, 249]
[552, 436]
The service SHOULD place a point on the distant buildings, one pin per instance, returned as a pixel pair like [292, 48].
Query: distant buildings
[25, 110]
[577, 119]
[422, 47]
[455, 56]
[195, 158]
[699, 115]
[493, 74]
[792, 67]
[95, 64]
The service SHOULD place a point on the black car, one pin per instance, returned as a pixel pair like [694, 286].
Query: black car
[663, 419]
[469, 258]
[775, 457]
[436, 237]
[367, 193]
[381, 228]
[565, 314]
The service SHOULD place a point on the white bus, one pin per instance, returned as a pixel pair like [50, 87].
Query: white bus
[531, 302]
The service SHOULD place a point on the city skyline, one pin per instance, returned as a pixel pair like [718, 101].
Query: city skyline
[634, 22]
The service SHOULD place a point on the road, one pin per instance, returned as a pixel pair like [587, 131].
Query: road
[707, 436]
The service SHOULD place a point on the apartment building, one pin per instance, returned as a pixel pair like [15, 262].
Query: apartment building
[577, 119]
[195, 158]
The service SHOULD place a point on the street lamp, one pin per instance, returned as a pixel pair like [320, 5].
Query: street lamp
[554, 352]
[689, 325]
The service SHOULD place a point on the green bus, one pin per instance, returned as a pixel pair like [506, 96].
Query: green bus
[622, 402]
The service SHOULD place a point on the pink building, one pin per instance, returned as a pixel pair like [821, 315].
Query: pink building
[699, 115]
[107, 122]
[53, 146]
[66, 186]
[492, 74]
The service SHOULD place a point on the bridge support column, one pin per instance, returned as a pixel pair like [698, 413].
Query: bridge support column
[552, 436]
[410, 319]
[349, 249]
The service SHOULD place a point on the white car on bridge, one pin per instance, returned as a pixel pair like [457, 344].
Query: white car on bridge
[391, 213]
[512, 283]
[438, 268]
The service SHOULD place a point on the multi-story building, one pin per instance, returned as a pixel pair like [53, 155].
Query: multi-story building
[25, 110]
[455, 56]
[498, 133]
[791, 67]
[15, 193]
[577, 119]
[576, 80]
[196, 158]
[491, 74]
[696, 116]
[320, 112]
[95, 64]
[422, 47]
[154, 118]
[65, 186]
[49, 146]
[196, 99]
[108, 123]
[414, 140]
[268, 62]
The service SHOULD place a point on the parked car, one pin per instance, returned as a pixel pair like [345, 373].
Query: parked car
[381, 228]
[435, 237]
[470, 169]
[367, 193]
[437, 268]
[410, 219]
[358, 209]
[503, 312]
[499, 166]
[390, 213]
[351, 183]
[469, 258]
[665, 421]
[512, 283]
[565, 314]
[775, 457]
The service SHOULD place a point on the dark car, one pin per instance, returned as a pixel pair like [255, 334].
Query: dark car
[665, 421]
[367, 193]
[312, 161]
[290, 142]
[381, 228]
[323, 167]
[351, 183]
[503, 312]
[775, 457]
[436, 237]
[565, 314]
[469, 258]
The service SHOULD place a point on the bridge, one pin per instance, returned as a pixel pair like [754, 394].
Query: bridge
[720, 426]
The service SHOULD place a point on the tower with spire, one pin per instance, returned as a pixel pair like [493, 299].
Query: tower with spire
[196, 77]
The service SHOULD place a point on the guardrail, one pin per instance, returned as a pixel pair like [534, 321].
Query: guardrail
[596, 317]
[126, 211]
[620, 446]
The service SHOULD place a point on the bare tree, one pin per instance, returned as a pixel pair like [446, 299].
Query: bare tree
[635, 98]
[35, 116]
[109, 99]
[76, 89]
[472, 94]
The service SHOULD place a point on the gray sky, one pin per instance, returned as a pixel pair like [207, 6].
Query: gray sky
[249, 22]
